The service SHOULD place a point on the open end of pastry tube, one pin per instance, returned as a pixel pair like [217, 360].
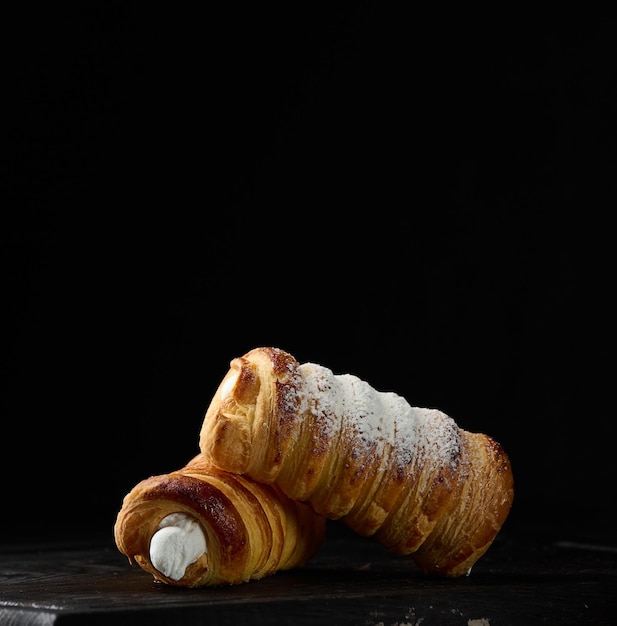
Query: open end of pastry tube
[178, 542]
[228, 384]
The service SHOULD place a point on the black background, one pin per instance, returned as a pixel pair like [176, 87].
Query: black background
[418, 198]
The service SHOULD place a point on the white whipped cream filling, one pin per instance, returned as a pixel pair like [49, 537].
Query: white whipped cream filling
[178, 542]
[228, 385]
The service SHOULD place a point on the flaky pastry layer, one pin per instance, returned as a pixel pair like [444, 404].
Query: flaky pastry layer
[251, 529]
[406, 475]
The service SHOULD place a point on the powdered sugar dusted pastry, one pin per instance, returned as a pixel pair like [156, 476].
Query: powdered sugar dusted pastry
[407, 475]
[202, 526]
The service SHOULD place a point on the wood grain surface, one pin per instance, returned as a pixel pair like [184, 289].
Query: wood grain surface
[521, 580]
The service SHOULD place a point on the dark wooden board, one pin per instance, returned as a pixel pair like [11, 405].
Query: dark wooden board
[521, 580]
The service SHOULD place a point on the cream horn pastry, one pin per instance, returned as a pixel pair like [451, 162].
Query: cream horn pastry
[408, 476]
[201, 526]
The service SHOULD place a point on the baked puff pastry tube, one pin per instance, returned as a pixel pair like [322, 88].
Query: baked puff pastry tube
[201, 526]
[408, 476]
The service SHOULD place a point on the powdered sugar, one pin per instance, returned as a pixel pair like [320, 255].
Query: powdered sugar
[377, 422]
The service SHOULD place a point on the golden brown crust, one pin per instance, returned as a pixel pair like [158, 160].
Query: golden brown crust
[411, 477]
[475, 512]
[252, 530]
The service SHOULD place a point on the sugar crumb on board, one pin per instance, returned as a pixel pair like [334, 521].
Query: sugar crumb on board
[483, 621]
